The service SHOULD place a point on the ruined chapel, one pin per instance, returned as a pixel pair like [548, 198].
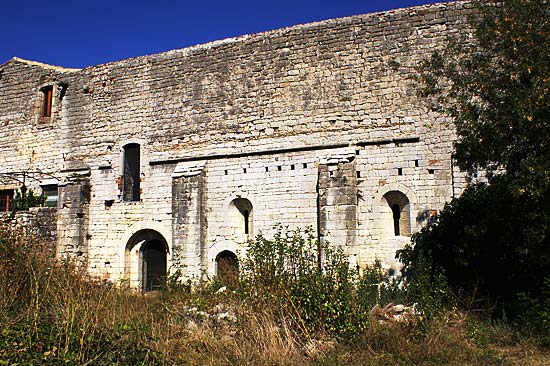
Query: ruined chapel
[182, 156]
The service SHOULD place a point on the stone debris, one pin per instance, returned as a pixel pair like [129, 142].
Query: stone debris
[219, 312]
[394, 313]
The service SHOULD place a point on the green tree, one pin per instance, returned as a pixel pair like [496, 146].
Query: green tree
[493, 242]
[495, 84]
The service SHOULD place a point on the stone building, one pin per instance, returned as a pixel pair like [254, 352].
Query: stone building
[179, 157]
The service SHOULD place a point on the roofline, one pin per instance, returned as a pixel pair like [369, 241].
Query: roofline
[40, 64]
[242, 38]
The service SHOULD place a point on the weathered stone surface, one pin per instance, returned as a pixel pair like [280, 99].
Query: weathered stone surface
[305, 126]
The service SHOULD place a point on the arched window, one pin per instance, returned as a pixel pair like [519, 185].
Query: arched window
[131, 173]
[240, 218]
[399, 207]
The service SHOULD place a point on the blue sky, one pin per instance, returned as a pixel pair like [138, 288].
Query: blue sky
[79, 33]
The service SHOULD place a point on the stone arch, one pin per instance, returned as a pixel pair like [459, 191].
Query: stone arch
[146, 257]
[400, 215]
[393, 207]
[136, 239]
[227, 266]
[239, 219]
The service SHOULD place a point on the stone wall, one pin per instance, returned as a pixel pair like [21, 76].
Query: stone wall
[40, 223]
[314, 125]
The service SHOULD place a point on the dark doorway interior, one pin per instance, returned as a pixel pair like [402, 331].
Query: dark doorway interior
[153, 265]
[227, 267]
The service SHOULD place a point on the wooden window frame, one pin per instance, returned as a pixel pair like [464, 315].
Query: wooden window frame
[47, 102]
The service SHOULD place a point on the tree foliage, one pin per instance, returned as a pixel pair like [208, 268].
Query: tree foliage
[495, 84]
[493, 242]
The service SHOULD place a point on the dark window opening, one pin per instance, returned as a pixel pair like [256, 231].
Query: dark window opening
[292, 167]
[6, 195]
[305, 165]
[399, 206]
[279, 168]
[244, 209]
[246, 216]
[399, 171]
[131, 178]
[358, 174]
[431, 171]
[267, 169]
[225, 172]
[244, 170]
[47, 94]
[416, 163]
[153, 265]
[396, 211]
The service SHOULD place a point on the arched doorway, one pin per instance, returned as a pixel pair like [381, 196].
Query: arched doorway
[227, 267]
[146, 260]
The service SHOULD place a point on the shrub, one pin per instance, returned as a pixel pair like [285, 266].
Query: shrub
[312, 283]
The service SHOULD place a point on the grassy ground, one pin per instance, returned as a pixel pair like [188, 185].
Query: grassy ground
[54, 314]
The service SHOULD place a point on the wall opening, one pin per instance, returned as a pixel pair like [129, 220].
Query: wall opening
[240, 218]
[396, 210]
[47, 96]
[227, 267]
[131, 174]
[398, 213]
[49, 192]
[6, 195]
[145, 262]
[153, 265]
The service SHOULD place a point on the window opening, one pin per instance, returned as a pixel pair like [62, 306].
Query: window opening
[6, 195]
[50, 194]
[241, 217]
[396, 210]
[399, 205]
[47, 94]
[399, 171]
[131, 177]
[246, 216]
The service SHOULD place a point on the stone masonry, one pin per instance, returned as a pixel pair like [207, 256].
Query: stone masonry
[176, 159]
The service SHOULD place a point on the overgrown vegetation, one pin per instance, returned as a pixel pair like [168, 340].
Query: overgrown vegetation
[52, 313]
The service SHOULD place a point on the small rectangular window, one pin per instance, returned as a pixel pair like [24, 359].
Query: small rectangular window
[131, 190]
[50, 194]
[6, 195]
[47, 94]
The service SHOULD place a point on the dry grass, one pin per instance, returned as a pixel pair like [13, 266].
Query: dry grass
[54, 314]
